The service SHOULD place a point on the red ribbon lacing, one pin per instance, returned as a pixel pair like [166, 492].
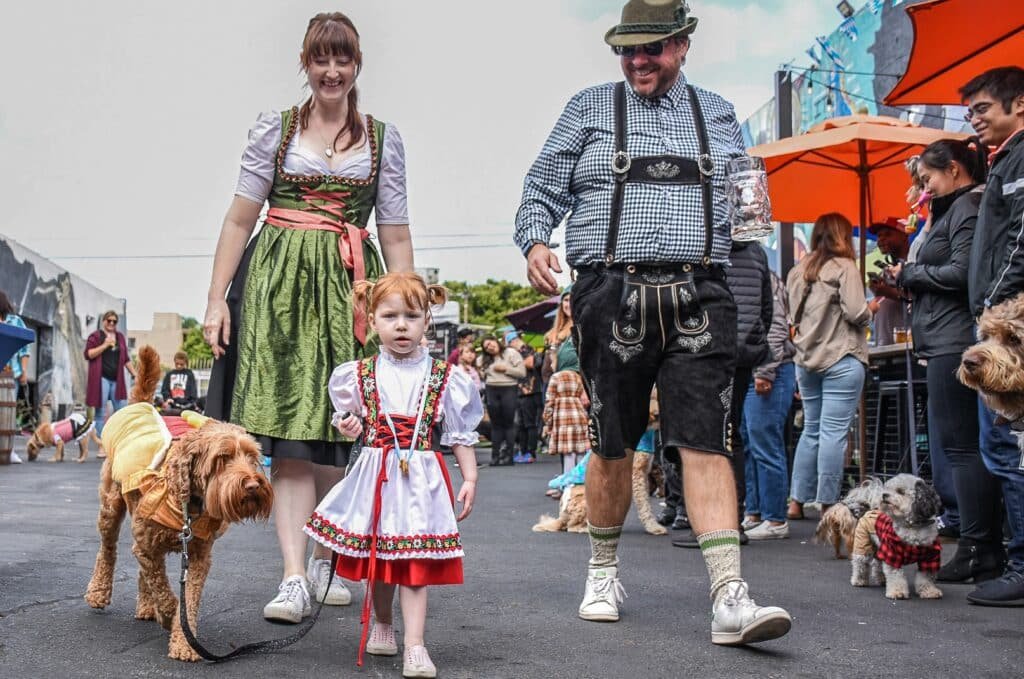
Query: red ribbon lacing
[404, 428]
[350, 236]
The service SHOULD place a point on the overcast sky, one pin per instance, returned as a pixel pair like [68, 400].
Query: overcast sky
[122, 122]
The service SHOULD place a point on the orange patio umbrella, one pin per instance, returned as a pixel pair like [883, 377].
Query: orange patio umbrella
[853, 165]
[955, 40]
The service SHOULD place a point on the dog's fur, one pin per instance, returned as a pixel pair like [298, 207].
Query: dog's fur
[838, 522]
[219, 463]
[572, 515]
[42, 437]
[913, 505]
[995, 365]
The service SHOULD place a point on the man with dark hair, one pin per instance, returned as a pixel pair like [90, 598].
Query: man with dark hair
[639, 168]
[892, 303]
[995, 108]
[179, 390]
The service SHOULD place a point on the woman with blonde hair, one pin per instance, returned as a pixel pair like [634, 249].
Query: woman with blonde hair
[830, 315]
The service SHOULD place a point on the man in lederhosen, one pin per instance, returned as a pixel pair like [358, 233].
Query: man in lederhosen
[640, 170]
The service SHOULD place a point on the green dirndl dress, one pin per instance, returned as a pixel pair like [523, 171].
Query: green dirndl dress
[296, 317]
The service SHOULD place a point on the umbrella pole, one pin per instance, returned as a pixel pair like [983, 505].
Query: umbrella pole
[862, 425]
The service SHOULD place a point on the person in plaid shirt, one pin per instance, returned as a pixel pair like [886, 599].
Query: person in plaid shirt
[639, 168]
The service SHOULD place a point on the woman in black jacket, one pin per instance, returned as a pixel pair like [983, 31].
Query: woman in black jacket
[943, 327]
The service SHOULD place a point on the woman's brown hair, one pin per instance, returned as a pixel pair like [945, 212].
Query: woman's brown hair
[563, 324]
[334, 34]
[831, 237]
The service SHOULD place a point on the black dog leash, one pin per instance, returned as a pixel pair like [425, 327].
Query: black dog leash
[267, 646]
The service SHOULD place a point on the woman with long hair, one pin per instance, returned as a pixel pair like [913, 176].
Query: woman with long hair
[288, 319]
[830, 315]
[502, 368]
[559, 334]
[952, 171]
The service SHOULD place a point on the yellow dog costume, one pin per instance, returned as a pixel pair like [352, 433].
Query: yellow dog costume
[136, 439]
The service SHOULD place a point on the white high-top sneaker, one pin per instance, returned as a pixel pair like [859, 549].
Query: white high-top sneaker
[318, 572]
[603, 595]
[738, 620]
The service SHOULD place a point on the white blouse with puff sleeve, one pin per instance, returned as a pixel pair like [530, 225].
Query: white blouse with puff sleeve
[256, 176]
[398, 384]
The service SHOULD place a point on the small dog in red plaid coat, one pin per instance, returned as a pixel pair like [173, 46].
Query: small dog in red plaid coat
[901, 532]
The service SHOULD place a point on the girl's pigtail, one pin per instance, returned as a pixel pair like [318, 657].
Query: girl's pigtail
[437, 295]
[362, 292]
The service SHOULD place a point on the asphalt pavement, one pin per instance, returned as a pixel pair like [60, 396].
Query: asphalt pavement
[514, 617]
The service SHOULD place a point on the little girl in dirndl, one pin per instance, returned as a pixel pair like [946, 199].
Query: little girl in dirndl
[392, 519]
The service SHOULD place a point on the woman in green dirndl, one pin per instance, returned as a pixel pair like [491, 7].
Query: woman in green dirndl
[287, 320]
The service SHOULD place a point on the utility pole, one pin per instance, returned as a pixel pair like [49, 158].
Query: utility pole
[784, 128]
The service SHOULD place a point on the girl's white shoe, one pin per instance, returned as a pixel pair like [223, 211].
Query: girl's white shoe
[382, 640]
[417, 663]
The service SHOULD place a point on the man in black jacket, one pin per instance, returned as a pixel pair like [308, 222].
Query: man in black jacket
[995, 101]
[179, 391]
[751, 286]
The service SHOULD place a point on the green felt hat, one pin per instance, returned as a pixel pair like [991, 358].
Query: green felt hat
[645, 21]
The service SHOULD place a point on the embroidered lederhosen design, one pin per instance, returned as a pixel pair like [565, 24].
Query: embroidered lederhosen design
[629, 329]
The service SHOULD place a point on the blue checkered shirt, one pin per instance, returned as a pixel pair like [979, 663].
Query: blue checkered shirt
[660, 223]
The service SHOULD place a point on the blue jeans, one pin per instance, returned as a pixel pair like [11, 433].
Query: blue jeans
[108, 390]
[764, 424]
[1002, 457]
[830, 400]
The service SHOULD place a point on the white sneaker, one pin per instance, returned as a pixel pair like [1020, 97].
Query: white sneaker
[737, 620]
[382, 640]
[417, 663]
[766, 531]
[318, 573]
[14, 458]
[749, 523]
[603, 595]
[291, 603]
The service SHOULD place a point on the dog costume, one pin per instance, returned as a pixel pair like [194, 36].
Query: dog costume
[876, 536]
[136, 439]
[72, 429]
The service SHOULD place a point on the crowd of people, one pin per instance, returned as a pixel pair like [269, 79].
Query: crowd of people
[317, 347]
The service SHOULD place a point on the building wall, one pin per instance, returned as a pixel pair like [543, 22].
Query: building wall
[165, 336]
[63, 309]
[873, 47]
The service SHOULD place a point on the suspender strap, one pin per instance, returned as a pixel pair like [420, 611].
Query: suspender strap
[621, 163]
[620, 168]
[707, 167]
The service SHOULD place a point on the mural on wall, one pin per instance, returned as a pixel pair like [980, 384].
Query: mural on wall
[63, 309]
[851, 70]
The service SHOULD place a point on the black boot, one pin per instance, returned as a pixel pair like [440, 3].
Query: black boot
[974, 562]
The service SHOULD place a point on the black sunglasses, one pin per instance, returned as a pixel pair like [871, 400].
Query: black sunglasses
[651, 49]
[110, 320]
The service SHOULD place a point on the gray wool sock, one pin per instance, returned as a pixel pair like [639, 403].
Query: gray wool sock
[721, 552]
[604, 545]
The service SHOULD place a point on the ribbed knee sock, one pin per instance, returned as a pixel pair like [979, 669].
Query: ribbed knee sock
[721, 552]
[604, 545]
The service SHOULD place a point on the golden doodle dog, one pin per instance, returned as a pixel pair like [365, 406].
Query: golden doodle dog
[211, 466]
[74, 429]
[901, 532]
[995, 365]
[838, 522]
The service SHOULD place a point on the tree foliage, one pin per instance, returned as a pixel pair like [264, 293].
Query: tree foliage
[195, 346]
[489, 302]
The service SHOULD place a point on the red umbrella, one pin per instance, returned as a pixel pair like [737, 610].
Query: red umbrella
[955, 40]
